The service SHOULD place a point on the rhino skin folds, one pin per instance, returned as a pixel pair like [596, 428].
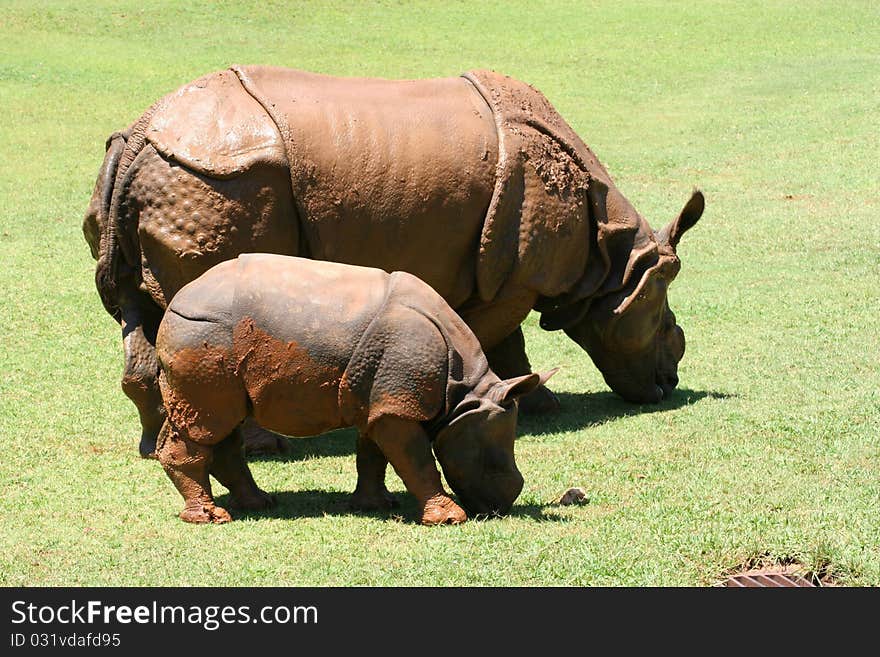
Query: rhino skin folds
[474, 184]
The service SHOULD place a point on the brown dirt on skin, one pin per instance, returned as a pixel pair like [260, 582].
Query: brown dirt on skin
[559, 173]
[202, 395]
[441, 510]
[290, 392]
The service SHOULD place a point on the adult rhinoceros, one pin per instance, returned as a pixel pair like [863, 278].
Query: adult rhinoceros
[473, 183]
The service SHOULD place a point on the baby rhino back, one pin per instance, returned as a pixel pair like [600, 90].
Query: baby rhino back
[297, 323]
[266, 334]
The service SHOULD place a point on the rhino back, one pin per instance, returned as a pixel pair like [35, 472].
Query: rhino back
[390, 173]
[199, 320]
[416, 361]
[210, 297]
[213, 126]
[322, 306]
[298, 322]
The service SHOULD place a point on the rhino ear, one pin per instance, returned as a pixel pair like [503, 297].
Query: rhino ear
[690, 214]
[506, 391]
[648, 292]
[546, 376]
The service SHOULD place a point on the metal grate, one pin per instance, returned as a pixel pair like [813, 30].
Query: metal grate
[765, 578]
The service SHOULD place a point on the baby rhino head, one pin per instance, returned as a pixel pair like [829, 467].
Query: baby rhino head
[475, 449]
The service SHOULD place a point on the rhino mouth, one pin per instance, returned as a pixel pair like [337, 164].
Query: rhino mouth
[497, 502]
[660, 388]
[652, 395]
[667, 384]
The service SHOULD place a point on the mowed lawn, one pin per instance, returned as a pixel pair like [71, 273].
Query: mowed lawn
[768, 452]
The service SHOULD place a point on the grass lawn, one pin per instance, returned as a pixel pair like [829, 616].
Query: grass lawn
[770, 449]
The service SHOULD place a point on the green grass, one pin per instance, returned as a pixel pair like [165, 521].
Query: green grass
[771, 448]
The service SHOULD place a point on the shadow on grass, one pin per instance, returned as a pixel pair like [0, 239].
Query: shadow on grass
[588, 409]
[318, 503]
[579, 410]
[341, 442]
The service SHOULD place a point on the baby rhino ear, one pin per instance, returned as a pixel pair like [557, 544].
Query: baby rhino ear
[506, 391]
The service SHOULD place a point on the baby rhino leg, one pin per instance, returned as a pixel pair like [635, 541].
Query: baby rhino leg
[231, 470]
[187, 463]
[205, 403]
[371, 492]
[408, 449]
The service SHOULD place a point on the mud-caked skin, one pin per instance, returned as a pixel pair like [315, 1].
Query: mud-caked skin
[475, 184]
[304, 347]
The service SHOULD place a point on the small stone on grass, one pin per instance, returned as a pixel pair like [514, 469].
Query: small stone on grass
[574, 496]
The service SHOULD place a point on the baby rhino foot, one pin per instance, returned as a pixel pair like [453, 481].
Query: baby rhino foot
[441, 510]
[204, 513]
[372, 501]
[253, 501]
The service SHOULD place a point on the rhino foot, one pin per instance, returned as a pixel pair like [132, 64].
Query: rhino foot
[540, 401]
[365, 501]
[254, 501]
[441, 510]
[204, 514]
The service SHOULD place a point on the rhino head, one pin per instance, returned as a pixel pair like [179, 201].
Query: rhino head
[626, 326]
[475, 448]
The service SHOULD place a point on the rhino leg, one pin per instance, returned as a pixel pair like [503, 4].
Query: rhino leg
[508, 359]
[187, 463]
[184, 222]
[139, 378]
[371, 493]
[408, 448]
[230, 469]
[260, 441]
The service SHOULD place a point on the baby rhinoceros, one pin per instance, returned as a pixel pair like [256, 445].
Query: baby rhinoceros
[307, 346]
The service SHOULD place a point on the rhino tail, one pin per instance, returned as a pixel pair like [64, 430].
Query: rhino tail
[118, 251]
[96, 222]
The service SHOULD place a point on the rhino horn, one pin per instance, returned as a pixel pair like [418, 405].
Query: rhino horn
[690, 214]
